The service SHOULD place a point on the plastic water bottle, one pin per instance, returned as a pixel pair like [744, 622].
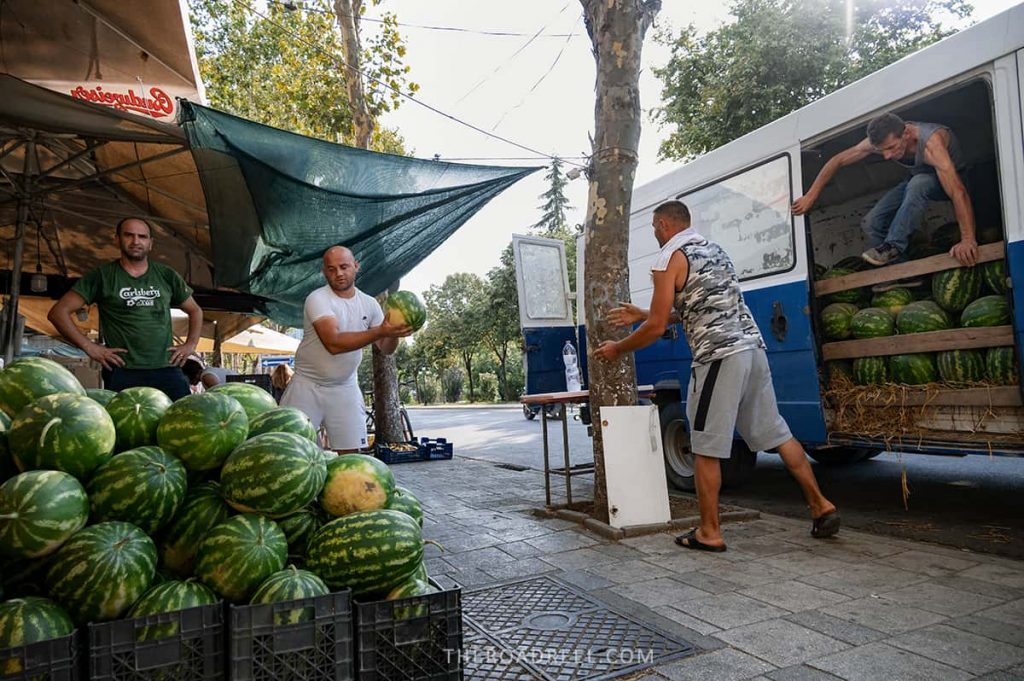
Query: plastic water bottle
[572, 370]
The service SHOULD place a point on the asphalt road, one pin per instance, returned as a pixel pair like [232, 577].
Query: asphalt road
[974, 502]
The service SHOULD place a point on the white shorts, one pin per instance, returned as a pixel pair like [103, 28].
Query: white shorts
[339, 408]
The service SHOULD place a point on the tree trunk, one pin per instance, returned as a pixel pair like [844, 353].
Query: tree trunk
[616, 29]
[467, 359]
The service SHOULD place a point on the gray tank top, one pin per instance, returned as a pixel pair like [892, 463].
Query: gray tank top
[715, 318]
[925, 131]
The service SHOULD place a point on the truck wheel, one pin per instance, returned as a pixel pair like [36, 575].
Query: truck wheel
[841, 456]
[528, 414]
[675, 441]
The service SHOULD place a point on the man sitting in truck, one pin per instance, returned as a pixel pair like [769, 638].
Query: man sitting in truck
[932, 154]
[730, 381]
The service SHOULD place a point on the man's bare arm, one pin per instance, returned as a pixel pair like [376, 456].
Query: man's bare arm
[936, 153]
[338, 342]
[857, 152]
[179, 353]
[60, 317]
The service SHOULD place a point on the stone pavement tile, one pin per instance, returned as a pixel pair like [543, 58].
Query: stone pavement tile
[759, 547]
[781, 642]
[582, 579]
[751, 573]
[720, 665]
[845, 545]
[730, 610]
[993, 629]
[617, 551]
[468, 542]
[976, 586]
[707, 582]
[522, 532]
[762, 527]
[794, 596]
[926, 563]
[997, 573]
[688, 621]
[660, 591]
[1012, 674]
[877, 661]
[805, 562]
[577, 559]
[844, 630]
[1011, 613]
[520, 549]
[688, 560]
[960, 649]
[941, 599]
[884, 615]
[526, 567]
[800, 673]
[861, 580]
[437, 566]
[628, 571]
[566, 540]
[471, 577]
[652, 544]
[484, 558]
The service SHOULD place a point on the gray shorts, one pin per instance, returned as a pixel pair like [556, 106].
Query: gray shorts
[734, 393]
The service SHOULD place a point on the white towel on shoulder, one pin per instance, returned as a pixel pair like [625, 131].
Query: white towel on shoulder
[672, 245]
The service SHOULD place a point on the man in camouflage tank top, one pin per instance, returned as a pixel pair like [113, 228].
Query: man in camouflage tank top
[730, 382]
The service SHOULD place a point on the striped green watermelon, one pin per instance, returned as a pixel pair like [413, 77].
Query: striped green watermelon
[202, 429]
[8, 468]
[922, 315]
[39, 511]
[961, 366]
[994, 274]
[421, 572]
[283, 420]
[819, 271]
[1001, 366]
[892, 300]
[24, 621]
[300, 526]
[202, 510]
[237, 555]
[101, 571]
[953, 289]
[136, 412]
[410, 589]
[64, 432]
[356, 482]
[835, 320]
[405, 308]
[853, 263]
[913, 369]
[945, 236]
[254, 399]
[100, 395]
[369, 552]
[27, 379]
[169, 596]
[273, 474]
[986, 311]
[871, 322]
[856, 296]
[405, 501]
[290, 584]
[144, 486]
[870, 371]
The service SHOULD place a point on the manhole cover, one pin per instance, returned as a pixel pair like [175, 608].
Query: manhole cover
[542, 629]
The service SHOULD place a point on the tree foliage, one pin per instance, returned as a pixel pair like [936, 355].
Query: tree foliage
[779, 55]
[284, 68]
[457, 310]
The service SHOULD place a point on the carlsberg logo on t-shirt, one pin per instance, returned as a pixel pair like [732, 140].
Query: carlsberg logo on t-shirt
[139, 297]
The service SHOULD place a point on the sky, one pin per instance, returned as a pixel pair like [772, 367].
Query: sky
[539, 94]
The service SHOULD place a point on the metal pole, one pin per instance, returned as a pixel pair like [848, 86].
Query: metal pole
[19, 251]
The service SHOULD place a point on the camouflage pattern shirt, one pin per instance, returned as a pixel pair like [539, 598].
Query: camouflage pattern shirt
[716, 320]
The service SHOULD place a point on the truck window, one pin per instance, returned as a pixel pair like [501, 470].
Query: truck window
[748, 215]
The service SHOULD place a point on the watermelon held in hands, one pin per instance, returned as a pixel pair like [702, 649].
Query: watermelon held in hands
[236, 556]
[273, 474]
[1001, 366]
[872, 322]
[954, 289]
[136, 413]
[100, 395]
[870, 371]
[27, 379]
[913, 369]
[283, 420]
[921, 316]
[202, 429]
[835, 320]
[892, 300]
[144, 486]
[994, 274]
[101, 571]
[986, 311]
[169, 596]
[356, 482]
[960, 367]
[404, 308]
[65, 432]
[290, 584]
[254, 399]
[39, 511]
[202, 510]
[24, 621]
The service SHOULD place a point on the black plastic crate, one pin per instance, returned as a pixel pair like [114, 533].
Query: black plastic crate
[410, 639]
[54, 660]
[187, 645]
[427, 449]
[263, 646]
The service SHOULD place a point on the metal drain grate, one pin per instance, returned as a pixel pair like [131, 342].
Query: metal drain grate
[540, 628]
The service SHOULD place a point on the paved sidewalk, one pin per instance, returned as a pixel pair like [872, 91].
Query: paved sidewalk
[777, 605]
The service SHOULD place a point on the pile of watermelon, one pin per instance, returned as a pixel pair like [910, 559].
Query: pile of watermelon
[124, 505]
[962, 297]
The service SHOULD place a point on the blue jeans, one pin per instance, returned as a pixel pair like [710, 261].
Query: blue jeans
[900, 211]
[170, 380]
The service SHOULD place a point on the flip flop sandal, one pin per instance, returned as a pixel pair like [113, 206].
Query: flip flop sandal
[826, 525]
[690, 541]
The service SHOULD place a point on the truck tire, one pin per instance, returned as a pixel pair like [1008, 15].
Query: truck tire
[675, 442]
[842, 456]
[528, 413]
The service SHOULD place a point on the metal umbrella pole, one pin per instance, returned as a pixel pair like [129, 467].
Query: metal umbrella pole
[11, 316]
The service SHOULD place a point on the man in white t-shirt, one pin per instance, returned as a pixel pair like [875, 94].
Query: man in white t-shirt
[339, 320]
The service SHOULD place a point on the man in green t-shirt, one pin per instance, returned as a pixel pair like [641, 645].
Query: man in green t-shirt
[134, 296]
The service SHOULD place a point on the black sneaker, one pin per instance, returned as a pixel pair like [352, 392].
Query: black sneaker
[886, 254]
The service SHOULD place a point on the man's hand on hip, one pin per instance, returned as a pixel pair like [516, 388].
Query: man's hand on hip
[179, 353]
[107, 357]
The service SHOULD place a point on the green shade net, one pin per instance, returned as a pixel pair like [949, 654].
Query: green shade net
[277, 200]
